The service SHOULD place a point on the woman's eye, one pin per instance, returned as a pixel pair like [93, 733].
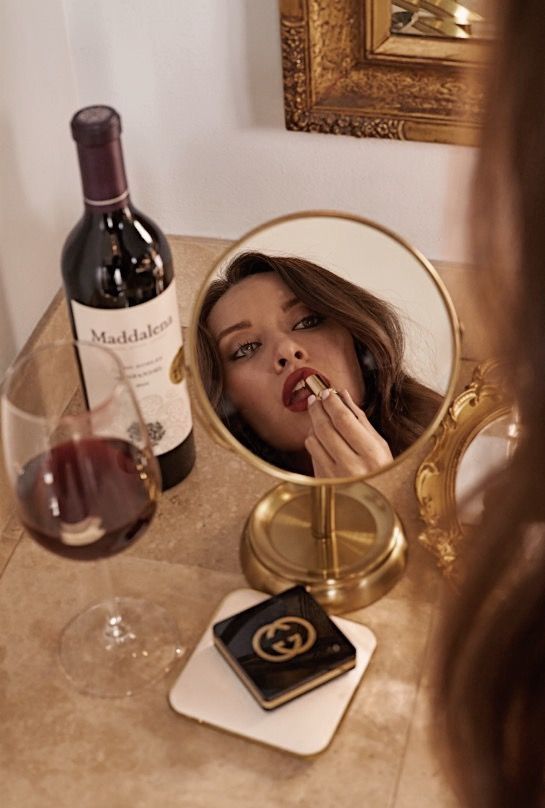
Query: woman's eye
[310, 321]
[247, 349]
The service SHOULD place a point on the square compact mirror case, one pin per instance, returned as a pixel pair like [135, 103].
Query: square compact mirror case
[209, 690]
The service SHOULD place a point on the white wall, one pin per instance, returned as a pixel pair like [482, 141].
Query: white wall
[199, 88]
[39, 197]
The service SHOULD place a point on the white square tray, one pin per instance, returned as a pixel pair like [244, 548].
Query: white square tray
[208, 691]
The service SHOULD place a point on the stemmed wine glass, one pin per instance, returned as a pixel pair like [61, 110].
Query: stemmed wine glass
[86, 485]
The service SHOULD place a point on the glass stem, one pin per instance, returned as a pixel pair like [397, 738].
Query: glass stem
[115, 630]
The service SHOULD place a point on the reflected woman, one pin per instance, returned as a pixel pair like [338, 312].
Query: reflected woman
[267, 324]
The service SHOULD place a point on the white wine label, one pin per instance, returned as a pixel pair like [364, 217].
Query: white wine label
[148, 340]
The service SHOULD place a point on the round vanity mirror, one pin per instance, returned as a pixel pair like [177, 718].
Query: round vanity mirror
[323, 349]
[337, 299]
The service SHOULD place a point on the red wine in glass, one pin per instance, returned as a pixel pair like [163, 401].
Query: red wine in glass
[87, 498]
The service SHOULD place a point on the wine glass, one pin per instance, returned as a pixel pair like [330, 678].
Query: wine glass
[86, 485]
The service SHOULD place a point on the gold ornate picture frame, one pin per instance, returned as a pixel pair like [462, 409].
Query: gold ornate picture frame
[345, 73]
[483, 401]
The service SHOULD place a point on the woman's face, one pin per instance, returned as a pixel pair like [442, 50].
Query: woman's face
[269, 342]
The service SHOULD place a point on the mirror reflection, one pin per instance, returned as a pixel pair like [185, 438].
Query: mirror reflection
[442, 18]
[487, 454]
[324, 346]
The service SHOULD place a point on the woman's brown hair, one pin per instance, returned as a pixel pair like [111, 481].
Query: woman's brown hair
[490, 683]
[397, 405]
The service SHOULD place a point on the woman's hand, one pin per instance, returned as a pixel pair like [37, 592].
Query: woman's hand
[342, 442]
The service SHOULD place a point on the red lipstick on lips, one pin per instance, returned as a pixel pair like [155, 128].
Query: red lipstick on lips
[296, 400]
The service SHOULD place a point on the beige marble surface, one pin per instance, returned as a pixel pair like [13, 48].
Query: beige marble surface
[59, 748]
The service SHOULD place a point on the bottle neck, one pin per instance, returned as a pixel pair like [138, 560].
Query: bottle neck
[103, 177]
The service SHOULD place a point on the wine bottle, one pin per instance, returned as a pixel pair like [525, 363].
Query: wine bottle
[119, 281]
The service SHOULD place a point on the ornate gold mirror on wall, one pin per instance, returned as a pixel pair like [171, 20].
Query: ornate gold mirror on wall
[406, 70]
[475, 439]
[335, 300]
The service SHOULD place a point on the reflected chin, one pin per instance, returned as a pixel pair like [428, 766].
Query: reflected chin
[294, 441]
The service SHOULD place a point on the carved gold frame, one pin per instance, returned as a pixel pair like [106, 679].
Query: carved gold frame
[344, 73]
[482, 401]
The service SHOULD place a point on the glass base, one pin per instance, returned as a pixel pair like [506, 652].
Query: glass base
[117, 648]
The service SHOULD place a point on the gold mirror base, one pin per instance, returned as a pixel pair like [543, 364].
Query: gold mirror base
[357, 563]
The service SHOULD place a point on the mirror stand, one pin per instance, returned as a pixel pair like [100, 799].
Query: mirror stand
[344, 543]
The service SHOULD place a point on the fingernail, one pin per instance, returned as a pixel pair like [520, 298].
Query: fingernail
[311, 399]
[325, 394]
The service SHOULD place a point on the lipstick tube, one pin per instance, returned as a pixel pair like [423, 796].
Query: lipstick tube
[315, 385]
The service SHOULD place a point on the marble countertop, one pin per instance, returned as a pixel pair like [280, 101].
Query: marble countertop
[59, 748]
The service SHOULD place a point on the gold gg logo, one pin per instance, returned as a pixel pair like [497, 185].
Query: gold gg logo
[287, 637]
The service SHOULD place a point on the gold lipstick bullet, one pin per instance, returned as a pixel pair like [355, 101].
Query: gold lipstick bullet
[315, 385]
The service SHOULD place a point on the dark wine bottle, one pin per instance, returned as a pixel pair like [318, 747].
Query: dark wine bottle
[119, 281]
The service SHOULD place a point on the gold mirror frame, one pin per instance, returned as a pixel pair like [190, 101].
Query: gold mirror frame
[483, 401]
[345, 73]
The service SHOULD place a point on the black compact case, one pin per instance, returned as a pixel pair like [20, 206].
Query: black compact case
[284, 647]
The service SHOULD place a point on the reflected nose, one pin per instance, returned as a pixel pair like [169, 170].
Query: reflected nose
[288, 354]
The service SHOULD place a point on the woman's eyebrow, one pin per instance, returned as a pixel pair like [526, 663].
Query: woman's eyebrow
[293, 301]
[235, 327]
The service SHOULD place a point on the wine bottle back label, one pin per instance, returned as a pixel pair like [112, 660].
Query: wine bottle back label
[148, 340]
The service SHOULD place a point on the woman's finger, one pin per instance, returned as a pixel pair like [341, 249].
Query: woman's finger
[348, 465]
[349, 421]
[328, 435]
[349, 401]
[322, 463]
[342, 460]
[357, 431]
